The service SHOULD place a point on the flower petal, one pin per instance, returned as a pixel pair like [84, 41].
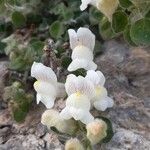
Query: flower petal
[82, 52]
[78, 100]
[97, 78]
[87, 118]
[79, 84]
[65, 114]
[86, 38]
[77, 64]
[77, 114]
[41, 72]
[101, 78]
[110, 102]
[101, 104]
[48, 101]
[45, 88]
[38, 98]
[84, 4]
[73, 38]
[81, 63]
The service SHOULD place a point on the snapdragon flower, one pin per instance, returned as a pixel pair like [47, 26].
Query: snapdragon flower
[96, 131]
[100, 100]
[46, 86]
[82, 43]
[107, 7]
[51, 118]
[78, 105]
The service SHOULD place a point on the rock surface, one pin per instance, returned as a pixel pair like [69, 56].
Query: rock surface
[127, 74]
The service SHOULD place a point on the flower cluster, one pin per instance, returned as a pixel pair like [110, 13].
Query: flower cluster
[84, 93]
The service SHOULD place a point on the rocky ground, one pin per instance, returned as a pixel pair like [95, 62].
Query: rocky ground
[127, 71]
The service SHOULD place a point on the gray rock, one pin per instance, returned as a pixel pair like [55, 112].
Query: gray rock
[3, 74]
[127, 140]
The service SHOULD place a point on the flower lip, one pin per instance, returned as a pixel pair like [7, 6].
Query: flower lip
[83, 36]
[80, 84]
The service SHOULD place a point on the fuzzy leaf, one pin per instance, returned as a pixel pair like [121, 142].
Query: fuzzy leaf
[119, 21]
[56, 29]
[125, 3]
[126, 35]
[140, 32]
[18, 19]
[65, 61]
[105, 29]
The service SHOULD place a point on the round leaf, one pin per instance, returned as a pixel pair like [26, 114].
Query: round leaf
[105, 29]
[125, 3]
[140, 32]
[18, 19]
[126, 35]
[119, 21]
[56, 29]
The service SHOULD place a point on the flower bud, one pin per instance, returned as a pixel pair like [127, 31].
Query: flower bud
[107, 7]
[52, 118]
[96, 131]
[73, 144]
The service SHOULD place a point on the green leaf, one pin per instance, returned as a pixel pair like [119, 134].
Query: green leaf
[105, 29]
[65, 61]
[148, 14]
[18, 114]
[125, 3]
[33, 18]
[140, 32]
[18, 64]
[80, 72]
[98, 48]
[127, 37]
[109, 131]
[94, 16]
[56, 29]
[37, 46]
[2, 47]
[119, 21]
[18, 19]
[54, 129]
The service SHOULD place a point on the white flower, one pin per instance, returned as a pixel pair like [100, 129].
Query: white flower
[46, 86]
[82, 43]
[96, 131]
[73, 144]
[51, 118]
[101, 101]
[78, 104]
[107, 7]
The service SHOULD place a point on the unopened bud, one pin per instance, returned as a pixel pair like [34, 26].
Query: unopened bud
[107, 7]
[52, 118]
[96, 131]
[73, 144]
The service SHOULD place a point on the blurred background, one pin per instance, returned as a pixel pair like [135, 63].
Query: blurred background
[36, 30]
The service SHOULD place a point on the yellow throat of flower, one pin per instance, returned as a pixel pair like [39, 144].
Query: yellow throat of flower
[78, 94]
[98, 90]
[36, 84]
